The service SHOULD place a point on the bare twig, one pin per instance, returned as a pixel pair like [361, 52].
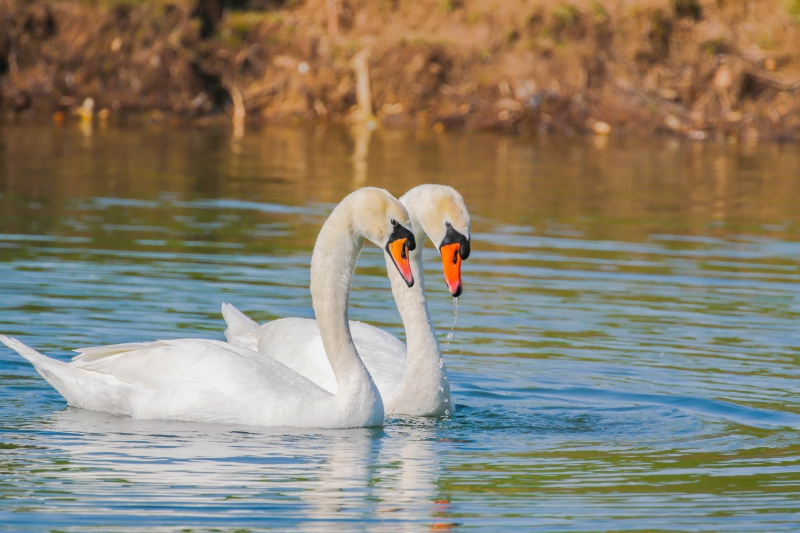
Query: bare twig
[239, 112]
[333, 18]
[363, 93]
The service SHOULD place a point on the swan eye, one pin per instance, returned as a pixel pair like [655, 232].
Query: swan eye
[447, 224]
[394, 222]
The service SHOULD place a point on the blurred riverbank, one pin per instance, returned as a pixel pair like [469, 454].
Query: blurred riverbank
[698, 68]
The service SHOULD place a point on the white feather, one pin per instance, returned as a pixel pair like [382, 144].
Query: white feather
[212, 381]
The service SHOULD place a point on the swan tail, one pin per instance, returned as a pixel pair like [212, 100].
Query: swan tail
[32, 356]
[59, 375]
[241, 330]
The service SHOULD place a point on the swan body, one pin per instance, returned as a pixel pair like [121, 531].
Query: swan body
[186, 379]
[213, 381]
[412, 379]
[296, 343]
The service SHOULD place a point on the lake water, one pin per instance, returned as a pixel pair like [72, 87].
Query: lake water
[625, 357]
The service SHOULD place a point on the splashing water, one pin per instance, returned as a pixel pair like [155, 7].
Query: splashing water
[453, 327]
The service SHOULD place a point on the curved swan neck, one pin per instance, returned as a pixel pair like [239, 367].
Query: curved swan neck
[332, 266]
[413, 307]
[425, 374]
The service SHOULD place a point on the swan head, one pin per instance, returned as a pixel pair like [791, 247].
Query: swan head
[381, 219]
[442, 214]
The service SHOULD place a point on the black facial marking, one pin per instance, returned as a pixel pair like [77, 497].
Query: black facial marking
[452, 237]
[401, 232]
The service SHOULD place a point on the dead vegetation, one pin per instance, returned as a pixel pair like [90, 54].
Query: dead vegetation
[695, 67]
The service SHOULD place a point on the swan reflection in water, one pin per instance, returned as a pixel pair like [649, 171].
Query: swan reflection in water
[245, 475]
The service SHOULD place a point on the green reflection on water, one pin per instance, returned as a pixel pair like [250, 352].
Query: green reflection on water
[651, 270]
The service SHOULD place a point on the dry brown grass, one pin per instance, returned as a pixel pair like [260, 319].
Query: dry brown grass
[696, 67]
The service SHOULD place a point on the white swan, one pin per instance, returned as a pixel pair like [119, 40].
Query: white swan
[416, 384]
[213, 381]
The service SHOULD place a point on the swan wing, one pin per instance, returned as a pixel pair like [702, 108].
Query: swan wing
[297, 343]
[185, 363]
[383, 354]
[94, 352]
[187, 379]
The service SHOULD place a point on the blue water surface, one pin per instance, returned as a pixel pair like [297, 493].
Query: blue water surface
[625, 356]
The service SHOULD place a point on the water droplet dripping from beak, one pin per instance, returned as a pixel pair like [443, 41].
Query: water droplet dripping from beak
[453, 327]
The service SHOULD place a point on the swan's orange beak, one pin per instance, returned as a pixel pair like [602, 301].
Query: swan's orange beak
[398, 250]
[451, 263]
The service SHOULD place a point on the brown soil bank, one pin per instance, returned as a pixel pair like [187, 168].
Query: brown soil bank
[697, 67]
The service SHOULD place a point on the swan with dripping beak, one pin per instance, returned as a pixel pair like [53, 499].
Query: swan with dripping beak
[412, 379]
